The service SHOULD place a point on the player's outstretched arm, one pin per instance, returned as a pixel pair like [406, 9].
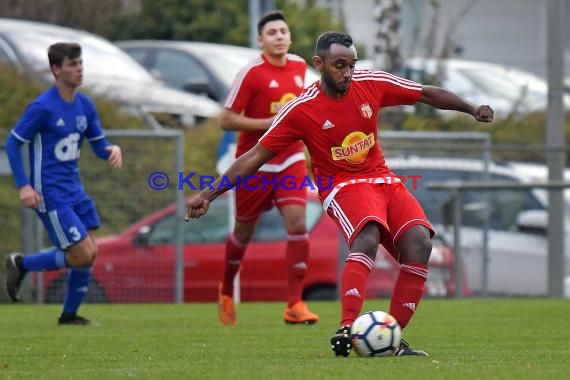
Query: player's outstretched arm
[446, 100]
[245, 165]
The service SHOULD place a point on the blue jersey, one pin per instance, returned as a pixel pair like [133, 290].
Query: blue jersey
[55, 130]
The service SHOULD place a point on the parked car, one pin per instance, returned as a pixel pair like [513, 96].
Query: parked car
[197, 67]
[109, 71]
[507, 89]
[138, 265]
[517, 243]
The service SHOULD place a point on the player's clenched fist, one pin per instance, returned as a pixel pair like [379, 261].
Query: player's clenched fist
[484, 114]
[196, 207]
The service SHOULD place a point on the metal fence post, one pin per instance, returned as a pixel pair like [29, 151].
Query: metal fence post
[486, 221]
[180, 210]
[458, 267]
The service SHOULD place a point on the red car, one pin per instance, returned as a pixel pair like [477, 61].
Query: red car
[138, 265]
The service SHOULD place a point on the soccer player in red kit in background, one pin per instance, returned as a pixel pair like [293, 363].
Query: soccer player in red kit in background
[259, 91]
[337, 118]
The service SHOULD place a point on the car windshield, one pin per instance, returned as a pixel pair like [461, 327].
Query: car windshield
[227, 62]
[100, 58]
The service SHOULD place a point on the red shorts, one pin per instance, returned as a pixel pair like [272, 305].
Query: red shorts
[392, 206]
[264, 190]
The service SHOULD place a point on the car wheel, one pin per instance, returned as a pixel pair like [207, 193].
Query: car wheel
[320, 293]
[56, 291]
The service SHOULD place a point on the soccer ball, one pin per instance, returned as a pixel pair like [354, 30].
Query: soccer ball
[376, 333]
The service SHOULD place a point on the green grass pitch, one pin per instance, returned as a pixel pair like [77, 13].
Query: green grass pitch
[467, 339]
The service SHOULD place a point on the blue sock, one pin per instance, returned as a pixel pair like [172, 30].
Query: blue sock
[51, 259]
[77, 282]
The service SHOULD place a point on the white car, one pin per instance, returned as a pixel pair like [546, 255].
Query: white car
[507, 89]
[109, 71]
[517, 242]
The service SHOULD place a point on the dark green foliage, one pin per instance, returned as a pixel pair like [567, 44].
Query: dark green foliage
[194, 20]
[15, 94]
[225, 22]
[306, 24]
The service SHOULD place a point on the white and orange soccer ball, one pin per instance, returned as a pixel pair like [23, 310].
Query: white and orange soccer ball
[376, 333]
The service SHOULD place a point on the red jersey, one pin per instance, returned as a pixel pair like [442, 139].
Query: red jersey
[260, 90]
[341, 134]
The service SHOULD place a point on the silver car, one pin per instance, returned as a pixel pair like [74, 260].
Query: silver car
[196, 67]
[109, 71]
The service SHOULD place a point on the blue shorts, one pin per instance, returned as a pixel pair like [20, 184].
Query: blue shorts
[68, 225]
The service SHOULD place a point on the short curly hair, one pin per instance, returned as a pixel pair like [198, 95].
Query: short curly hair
[327, 39]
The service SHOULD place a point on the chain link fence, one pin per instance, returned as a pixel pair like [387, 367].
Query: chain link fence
[504, 246]
[125, 271]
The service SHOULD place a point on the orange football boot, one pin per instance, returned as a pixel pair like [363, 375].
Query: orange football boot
[299, 313]
[226, 309]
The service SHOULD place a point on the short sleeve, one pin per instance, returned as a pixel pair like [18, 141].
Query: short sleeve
[241, 92]
[394, 90]
[32, 120]
[284, 132]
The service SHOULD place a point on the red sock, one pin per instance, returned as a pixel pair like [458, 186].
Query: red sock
[353, 286]
[235, 250]
[297, 255]
[408, 291]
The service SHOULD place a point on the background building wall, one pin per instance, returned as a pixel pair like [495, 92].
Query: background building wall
[510, 32]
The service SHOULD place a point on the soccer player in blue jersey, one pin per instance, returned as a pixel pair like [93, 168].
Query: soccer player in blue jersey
[54, 126]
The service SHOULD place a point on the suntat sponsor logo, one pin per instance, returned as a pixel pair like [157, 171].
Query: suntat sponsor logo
[275, 107]
[354, 148]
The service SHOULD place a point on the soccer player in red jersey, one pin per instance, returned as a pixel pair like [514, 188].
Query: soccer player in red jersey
[258, 93]
[336, 118]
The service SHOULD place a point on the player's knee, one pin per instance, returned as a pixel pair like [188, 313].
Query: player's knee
[83, 258]
[424, 247]
[365, 243]
[243, 236]
[417, 250]
[298, 227]
[93, 253]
